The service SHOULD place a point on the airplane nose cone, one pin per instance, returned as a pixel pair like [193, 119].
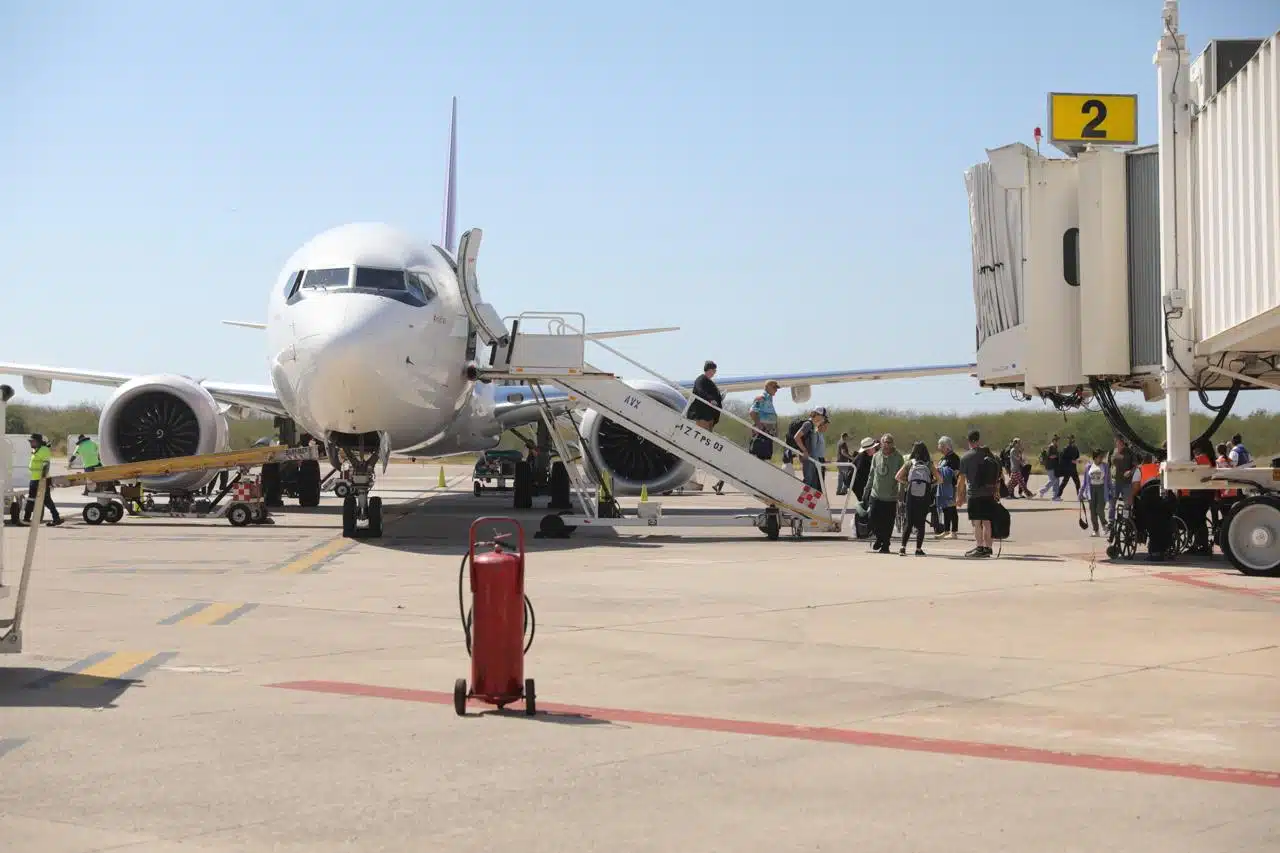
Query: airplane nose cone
[340, 382]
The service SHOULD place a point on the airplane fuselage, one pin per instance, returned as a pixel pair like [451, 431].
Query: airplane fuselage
[367, 333]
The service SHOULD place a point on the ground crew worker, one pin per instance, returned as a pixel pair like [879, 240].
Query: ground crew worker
[40, 456]
[87, 450]
[1153, 510]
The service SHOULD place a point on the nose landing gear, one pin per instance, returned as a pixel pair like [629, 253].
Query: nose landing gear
[361, 513]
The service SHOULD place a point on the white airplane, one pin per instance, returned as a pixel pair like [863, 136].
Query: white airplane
[372, 351]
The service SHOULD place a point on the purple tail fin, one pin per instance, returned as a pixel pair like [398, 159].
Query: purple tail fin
[451, 183]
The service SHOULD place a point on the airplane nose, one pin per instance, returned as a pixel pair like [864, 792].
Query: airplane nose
[340, 383]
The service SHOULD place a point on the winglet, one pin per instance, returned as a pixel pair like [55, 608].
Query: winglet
[451, 183]
[245, 324]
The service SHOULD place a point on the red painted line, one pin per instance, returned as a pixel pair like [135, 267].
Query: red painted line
[1194, 580]
[852, 737]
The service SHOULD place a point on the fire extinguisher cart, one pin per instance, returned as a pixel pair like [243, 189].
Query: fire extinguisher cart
[496, 625]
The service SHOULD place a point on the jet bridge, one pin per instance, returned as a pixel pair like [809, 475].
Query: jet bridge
[557, 356]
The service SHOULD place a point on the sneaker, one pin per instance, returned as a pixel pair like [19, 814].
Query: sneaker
[902, 551]
[55, 522]
[974, 552]
[919, 552]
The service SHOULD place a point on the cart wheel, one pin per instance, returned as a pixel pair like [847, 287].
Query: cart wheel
[257, 513]
[460, 697]
[530, 703]
[341, 489]
[92, 513]
[113, 512]
[476, 488]
[238, 515]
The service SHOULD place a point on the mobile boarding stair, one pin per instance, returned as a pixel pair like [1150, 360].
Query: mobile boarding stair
[557, 356]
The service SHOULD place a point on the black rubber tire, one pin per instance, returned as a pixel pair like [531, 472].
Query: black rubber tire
[460, 697]
[560, 487]
[15, 511]
[93, 513]
[349, 516]
[772, 526]
[530, 698]
[1229, 551]
[476, 488]
[239, 515]
[113, 512]
[375, 518]
[522, 488]
[309, 483]
[271, 494]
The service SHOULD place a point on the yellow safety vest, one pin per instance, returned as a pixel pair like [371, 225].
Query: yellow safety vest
[38, 460]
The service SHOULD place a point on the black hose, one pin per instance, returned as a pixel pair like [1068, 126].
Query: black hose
[464, 615]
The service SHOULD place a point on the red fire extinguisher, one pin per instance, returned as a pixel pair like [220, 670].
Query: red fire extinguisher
[495, 628]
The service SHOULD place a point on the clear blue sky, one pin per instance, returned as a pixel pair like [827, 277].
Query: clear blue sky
[716, 166]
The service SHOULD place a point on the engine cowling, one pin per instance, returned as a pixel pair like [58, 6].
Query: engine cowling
[159, 417]
[633, 461]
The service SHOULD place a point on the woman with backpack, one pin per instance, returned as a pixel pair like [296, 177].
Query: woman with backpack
[918, 475]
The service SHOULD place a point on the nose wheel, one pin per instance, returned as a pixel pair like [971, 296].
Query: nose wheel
[353, 514]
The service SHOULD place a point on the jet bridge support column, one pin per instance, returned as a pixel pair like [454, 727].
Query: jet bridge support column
[1174, 111]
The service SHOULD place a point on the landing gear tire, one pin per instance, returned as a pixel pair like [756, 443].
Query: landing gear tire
[239, 515]
[559, 486]
[113, 512]
[309, 483]
[349, 516]
[522, 487]
[1251, 537]
[375, 518]
[92, 513]
[271, 494]
[460, 697]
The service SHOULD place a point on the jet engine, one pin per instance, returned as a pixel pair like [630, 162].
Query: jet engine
[159, 417]
[633, 461]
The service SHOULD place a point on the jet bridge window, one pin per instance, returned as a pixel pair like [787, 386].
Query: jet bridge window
[371, 278]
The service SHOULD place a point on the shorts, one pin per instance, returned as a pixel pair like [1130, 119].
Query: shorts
[981, 508]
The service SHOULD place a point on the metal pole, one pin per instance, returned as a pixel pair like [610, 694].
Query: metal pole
[1174, 112]
[6, 459]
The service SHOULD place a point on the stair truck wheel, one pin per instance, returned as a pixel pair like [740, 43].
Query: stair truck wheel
[1251, 538]
[772, 523]
[238, 515]
[460, 697]
[530, 705]
[92, 513]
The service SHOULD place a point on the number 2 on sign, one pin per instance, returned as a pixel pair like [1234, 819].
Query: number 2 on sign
[1092, 128]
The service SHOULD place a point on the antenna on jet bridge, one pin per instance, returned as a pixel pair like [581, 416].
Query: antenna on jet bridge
[451, 183]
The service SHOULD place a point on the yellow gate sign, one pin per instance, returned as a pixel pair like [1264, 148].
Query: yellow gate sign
[1097, 119]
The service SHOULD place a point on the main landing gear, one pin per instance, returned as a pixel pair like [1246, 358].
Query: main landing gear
[361, 513]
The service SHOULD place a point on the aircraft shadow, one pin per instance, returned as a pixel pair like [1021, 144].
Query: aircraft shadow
[37, 687]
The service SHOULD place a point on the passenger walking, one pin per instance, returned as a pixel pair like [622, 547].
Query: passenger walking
[704, 392]
[1020, 470]
[810, 441]
[1067, 467]
[945, 499]
[1097, 486]
[947, 453]
[1049, 461]
[862, 466]
[1123, 462]
[844, 461]
[917, 474]
[41, 453]
[764, 417]
[881, 495]
[979, 488]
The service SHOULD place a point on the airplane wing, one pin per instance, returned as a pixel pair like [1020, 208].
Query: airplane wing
[39, 379]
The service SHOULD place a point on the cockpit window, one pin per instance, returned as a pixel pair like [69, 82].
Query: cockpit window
[419, 286]
[370, 278]
[327, 278]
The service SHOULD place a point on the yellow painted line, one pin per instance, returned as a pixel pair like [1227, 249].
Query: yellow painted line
[216, 611]
[317, 555]
[115, 666]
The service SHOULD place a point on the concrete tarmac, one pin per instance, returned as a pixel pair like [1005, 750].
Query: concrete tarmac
[193, 687]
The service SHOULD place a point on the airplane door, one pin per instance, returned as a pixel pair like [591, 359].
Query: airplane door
[482, 314]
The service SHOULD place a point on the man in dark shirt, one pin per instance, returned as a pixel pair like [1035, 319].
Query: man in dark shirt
[704, 389]
[1067, 467]
[979, 488]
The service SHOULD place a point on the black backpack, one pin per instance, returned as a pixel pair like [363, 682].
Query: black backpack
[988, 473]
[792, 429]
[1000, 522]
